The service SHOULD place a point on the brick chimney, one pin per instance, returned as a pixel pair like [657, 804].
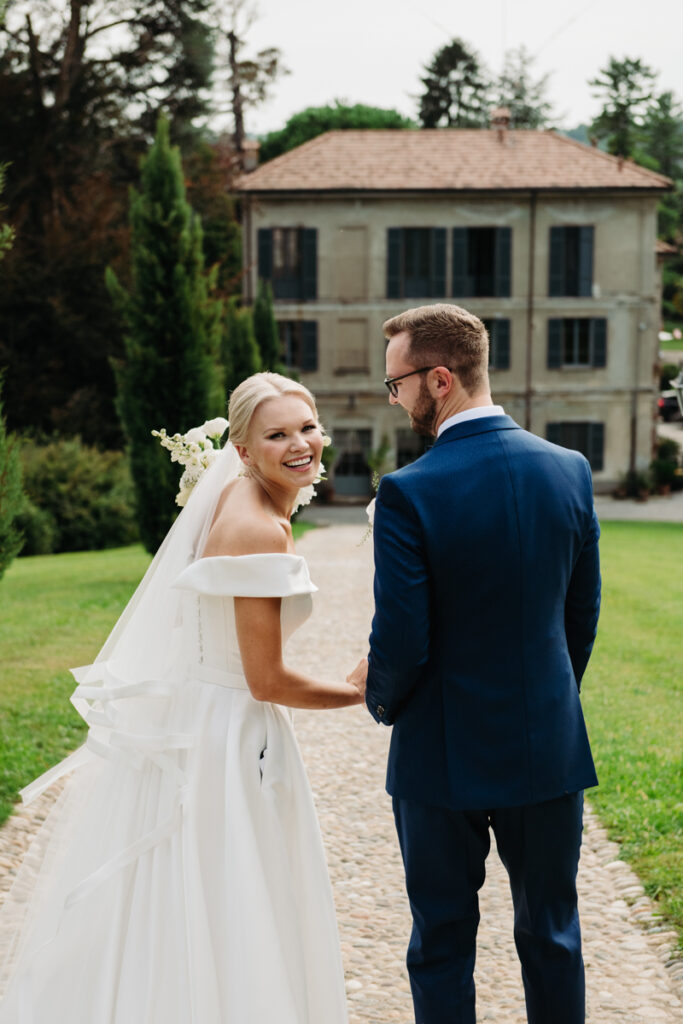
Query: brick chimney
[499, 119]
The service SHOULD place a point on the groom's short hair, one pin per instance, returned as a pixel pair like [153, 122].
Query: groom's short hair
[445, 335]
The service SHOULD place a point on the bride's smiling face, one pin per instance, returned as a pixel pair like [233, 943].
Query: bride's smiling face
[285, 443]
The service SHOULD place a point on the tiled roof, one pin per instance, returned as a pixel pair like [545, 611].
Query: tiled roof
[447, 159]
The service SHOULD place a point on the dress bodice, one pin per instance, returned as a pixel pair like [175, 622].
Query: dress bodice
[210, 636]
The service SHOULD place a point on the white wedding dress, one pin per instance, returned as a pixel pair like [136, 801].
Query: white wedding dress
[184, 881]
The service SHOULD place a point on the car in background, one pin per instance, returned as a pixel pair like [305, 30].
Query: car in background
[667, 406]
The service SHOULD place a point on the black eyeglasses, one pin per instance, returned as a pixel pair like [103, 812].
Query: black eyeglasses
[391, 381]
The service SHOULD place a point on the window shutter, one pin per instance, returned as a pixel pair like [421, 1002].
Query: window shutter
[501, 333]
[553, 432]
[438, 282]
[394, 263]
[461, 284]
[599, 341]
[586, 261]
[308, 242]
[554, 343]
[265, 253]
[502, 267]
[309, 345]
[557, 284]
[596, 445]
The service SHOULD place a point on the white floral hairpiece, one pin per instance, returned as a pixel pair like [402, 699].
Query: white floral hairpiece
[194, 450]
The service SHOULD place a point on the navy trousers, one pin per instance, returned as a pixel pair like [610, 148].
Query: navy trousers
[444, 854]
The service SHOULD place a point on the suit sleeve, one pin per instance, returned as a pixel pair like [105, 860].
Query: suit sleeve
[582, 605]
[399, 642]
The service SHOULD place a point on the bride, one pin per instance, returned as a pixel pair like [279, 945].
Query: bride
[181, 875]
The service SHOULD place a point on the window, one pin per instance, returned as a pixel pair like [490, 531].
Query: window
[571, 261]
[481, 262]
[299, 339]
[410, 446]
[416, 263]
[587, 438]
[499, 344]
[577, 341]
[288, 258]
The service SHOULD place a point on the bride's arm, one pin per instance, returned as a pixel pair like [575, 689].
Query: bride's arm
[260, 641]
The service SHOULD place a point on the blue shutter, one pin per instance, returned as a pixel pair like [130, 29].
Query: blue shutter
[308, 242]
[394, 263]
[503, 262]
[554, 343]
[461, 283]
[557, 284]
[553, 432]
[586, 262]
[596, 445]
[501, 333]
[599, 341]
[309, 346]
[438, 281]
[265, 253]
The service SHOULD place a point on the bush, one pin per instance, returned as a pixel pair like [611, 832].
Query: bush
[665, 466]
[11, 495]
[667, 373]
[39, 529]
[80, 499]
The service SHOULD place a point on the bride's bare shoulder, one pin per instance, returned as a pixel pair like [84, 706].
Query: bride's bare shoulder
[242, 527]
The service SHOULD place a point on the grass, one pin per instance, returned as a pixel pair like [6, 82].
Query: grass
[632, 699]
[56, 611]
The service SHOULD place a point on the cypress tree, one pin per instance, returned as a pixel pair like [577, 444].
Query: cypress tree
[11, 495]
[168, 375]
[240, 354]
[265, 329]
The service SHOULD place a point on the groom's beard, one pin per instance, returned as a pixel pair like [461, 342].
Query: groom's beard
[423, 414]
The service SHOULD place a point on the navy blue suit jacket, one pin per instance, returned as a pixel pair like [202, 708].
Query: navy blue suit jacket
[487, 593]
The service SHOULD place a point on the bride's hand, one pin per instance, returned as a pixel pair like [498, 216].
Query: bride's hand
[359, 677]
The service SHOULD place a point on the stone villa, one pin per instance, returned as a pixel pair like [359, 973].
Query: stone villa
[552, 243]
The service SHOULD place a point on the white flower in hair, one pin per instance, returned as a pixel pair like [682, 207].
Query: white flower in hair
[195, 451]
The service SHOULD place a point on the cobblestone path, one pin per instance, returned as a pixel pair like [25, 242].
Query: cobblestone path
[631, 976]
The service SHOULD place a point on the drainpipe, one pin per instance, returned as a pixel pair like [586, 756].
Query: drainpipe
[530, 309]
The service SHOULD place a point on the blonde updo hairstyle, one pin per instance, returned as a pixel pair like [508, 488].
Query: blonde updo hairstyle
[247, 396]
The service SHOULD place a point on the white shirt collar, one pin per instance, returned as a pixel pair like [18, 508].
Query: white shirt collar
[470, 414]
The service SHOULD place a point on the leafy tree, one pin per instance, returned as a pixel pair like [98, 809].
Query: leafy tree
[79, 86]
[266, 331]
[625, 88]
[6, 231]
[209, 171]
[11, 495]
[240, 354]
[313, 121]
[250, 78]
[167, 376]
[662, 134]
[457, 89]
[524, 97]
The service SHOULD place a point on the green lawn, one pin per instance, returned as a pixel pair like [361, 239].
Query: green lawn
[632, 699]
[56, 611]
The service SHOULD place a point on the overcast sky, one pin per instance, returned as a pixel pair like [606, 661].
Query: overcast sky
[373, 51]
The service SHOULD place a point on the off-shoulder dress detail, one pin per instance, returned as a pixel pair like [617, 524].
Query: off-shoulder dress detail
[190, 885]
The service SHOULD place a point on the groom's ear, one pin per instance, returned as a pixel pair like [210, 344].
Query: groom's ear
[443, 380]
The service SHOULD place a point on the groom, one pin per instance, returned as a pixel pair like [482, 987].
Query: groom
[487, 590]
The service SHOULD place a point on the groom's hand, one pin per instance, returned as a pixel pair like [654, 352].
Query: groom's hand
[358, 678]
